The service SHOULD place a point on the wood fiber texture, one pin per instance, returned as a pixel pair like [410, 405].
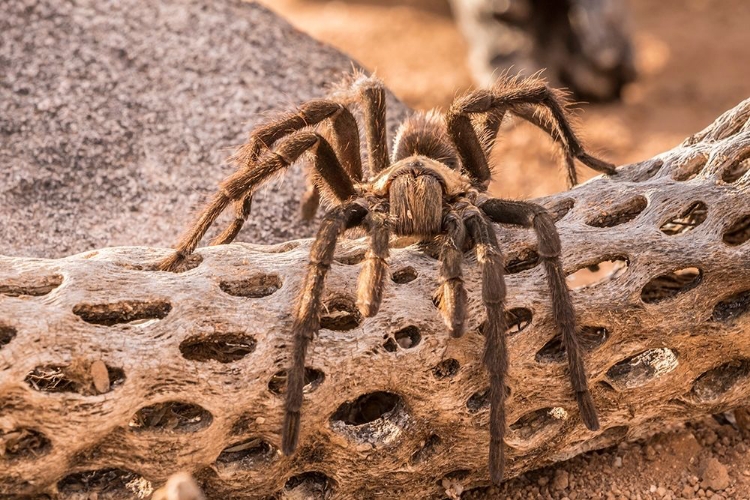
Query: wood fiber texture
[193, 362]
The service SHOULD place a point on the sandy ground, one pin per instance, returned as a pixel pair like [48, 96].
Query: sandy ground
[693, 57]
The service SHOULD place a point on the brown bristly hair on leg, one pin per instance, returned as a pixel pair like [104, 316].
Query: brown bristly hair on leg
[307, 314]
[495, 350]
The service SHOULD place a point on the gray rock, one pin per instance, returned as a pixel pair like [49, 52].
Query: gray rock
[116, 118]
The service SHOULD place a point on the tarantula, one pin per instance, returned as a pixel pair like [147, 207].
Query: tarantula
[433, 188]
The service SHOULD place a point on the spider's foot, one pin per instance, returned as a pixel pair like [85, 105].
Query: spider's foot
[368, 308]
[290, 432]
[497, 462]
[588, 410]
[597, 164]
[171, 263]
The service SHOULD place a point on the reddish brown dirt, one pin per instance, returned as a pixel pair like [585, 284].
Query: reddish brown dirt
[694, 63]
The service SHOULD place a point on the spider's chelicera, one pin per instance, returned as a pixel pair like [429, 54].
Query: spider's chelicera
[433, 188]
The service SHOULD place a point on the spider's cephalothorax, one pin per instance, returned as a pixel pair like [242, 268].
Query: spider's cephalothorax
[433, 188]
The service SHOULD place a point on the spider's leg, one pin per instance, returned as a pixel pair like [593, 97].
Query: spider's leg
[495, 351]
[534, 216]
[370, 92]
[307, 314]
[240, 185]
[341, 131]
[451, 295]
[515, 95]
[375, 268]
[241, 213]
[310, 199]
[489, 125]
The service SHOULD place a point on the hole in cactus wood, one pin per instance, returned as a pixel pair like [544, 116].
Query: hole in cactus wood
[247, 454]
[739, 232]
[7, 333]
[313, 379]
[732, 307]
[561, 208]
[408, 337]
[427, 450]
[478, 401]
[377, 418]
[598, 272]
[734, 171]
[715, 383]
[690, 168]
[589, 337]
[446, 368]
[127, 311]
[390, 345]
[523, 261]
[117, 483]
[254, 287]
[404, 275]
[172, 416]
[351, 258]
[367, 408]
[517, 320]
[30, 284]
[457, 475]
[309, 486]
[531, 424]
[81, 377]
[619, 214]
[671, 284]
[23, 443]
[690, 218]
[221, 347]
[340, 314]
[642, 368]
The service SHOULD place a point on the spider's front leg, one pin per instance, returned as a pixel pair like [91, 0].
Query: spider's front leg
[495, 356]
[535, 216]
[307, 314]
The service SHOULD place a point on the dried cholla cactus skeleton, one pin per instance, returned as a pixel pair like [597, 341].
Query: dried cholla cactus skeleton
[432, 191]
[196, 362]
[584, 44]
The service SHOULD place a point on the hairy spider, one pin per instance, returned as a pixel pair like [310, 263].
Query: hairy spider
[433, 189]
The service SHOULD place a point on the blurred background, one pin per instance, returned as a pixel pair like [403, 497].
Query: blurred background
[692, 59]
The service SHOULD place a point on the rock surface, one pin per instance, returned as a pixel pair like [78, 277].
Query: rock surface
[116, 119]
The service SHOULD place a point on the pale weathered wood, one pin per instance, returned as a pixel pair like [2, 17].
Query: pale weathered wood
[215, 335]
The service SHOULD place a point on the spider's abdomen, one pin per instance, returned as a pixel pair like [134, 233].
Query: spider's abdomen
[416, 205]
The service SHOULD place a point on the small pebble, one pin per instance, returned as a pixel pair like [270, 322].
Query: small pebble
[715, 475]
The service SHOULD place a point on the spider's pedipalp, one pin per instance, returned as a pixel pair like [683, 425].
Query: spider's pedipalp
[534, 216]
[375, 268]
[452, 294]
[495, 350]
[307, 314]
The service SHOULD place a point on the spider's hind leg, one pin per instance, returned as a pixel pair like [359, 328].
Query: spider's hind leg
[550, 250]
[519, 96]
